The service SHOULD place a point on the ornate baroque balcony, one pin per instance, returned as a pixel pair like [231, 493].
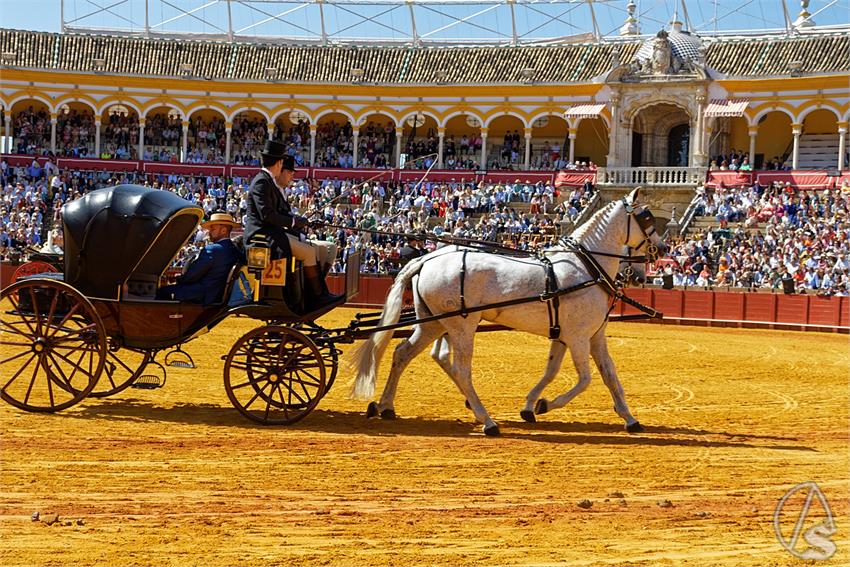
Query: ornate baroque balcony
[650, 176]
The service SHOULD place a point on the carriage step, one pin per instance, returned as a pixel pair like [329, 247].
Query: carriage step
[148, 382]
[154, 377]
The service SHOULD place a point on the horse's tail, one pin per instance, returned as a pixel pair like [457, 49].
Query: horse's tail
[367, 356]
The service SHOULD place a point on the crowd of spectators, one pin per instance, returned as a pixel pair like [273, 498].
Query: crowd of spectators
[769, 237]
[520, 214]
[206, 141]
[32, 131]
[75, 133]
[119, 136]
[163, 138]
[739, 160]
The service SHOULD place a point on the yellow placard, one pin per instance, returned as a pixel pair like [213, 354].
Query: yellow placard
[275, 273]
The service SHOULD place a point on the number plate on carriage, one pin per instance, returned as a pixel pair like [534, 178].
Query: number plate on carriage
[275, 273]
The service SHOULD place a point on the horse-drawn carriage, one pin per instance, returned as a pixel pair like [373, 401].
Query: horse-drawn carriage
[95, 329]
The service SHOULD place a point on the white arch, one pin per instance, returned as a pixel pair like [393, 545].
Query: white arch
[106, 106]
[446, 120]
[88, 103]
[21, 97]
[165, 105]
[508, 113]
[767, 110]
[286, 111]
[259, 110]
[220, 110]
[559, 114]
[337, 110]
[811, 109]
[404, 117]
[383, 113]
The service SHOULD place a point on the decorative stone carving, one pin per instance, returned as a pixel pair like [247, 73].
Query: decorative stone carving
[661, 62]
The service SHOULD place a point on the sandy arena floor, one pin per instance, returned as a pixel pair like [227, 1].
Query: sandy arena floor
[735, 418]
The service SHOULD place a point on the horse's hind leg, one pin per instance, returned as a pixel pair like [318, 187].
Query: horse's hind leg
[556, 356]
[406, 351]
[599, 350]
[461, 337]
[580, 352]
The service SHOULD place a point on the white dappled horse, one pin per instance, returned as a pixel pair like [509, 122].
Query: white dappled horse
[492, 278]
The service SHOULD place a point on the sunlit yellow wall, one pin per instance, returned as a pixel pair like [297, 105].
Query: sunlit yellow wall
[820, 122]
[592, 141]
[774, 136]
[739, 138]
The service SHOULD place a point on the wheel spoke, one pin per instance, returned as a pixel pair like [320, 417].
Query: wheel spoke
[21, 369]
[19, 355]
[52, 310]
[256, 395]
[68, 336]
[75, 365]
[65, 318]
[50, 388]
[32, 383]
[59, 369]
[13, 329]
[35, 310]
[9, 343]
[15, 305]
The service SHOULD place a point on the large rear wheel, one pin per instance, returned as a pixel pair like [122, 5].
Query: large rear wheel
[274, 375]
[52, 345]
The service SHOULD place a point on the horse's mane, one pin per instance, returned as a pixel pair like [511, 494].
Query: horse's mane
[593, 221]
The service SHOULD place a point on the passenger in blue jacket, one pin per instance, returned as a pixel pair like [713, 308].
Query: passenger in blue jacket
[206, 277]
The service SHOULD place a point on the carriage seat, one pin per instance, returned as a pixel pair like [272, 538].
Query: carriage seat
[142, 286]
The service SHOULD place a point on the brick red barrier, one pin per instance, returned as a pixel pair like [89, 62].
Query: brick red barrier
[693, 306]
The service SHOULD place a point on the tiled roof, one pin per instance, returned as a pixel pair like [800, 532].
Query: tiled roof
[397, 64]
[771, 56]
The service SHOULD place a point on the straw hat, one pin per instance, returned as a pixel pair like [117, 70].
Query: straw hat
[220, 218]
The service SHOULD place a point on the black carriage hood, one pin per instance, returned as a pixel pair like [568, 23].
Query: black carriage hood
[113, 233]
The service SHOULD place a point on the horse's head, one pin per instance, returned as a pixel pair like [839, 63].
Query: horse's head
[641, 235]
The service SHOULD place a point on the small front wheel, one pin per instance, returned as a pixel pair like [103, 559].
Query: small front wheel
[274, 375]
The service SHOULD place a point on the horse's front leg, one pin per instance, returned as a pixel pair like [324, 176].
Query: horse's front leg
[580, 352]
[406, 351]
[599, 350]
[557, 350]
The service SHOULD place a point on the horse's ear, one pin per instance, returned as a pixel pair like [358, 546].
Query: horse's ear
[634, 195]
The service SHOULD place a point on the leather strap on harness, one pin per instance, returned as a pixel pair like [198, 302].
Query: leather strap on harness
[554, 302]
[463, 312]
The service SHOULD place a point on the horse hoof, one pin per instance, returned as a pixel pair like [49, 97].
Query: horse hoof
[541, 407]
[635, 427]
[466, 403]
[371, 410]
[388, 414]
[528, 416]
[492, 431]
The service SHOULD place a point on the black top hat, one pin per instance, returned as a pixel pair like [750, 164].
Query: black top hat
[277, 150]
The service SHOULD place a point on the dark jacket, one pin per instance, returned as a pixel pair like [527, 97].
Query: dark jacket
[206, 277]
[269, 214]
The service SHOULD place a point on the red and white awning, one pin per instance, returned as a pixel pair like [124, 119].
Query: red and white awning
[726, 107]
[589, 110]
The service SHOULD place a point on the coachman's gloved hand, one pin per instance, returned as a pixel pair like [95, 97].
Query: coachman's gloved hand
[299, 222]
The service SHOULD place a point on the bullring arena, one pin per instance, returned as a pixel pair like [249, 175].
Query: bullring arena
[716, 129]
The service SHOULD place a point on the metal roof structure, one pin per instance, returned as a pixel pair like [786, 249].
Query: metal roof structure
[447, 22]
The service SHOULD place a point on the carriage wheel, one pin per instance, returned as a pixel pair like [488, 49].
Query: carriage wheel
[330, 354]
[52, 345]
[123, 367]
[274, 375]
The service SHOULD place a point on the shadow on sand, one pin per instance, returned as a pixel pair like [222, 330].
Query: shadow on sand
[346, 423]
